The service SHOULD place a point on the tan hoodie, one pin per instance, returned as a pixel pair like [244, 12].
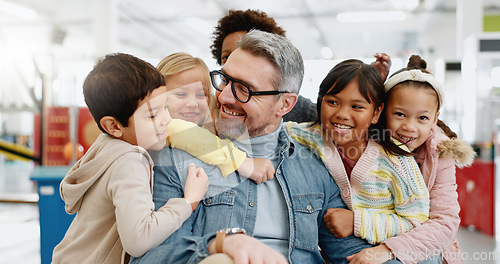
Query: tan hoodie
[110, 190]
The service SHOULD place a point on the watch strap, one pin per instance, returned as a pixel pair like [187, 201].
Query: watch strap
[219, 239]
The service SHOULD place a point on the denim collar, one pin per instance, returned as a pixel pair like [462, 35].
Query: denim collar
[287, 145]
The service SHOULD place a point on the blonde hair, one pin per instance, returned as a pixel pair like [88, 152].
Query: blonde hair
[181, 61]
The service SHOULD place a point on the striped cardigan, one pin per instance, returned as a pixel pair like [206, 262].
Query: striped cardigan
[387, 193]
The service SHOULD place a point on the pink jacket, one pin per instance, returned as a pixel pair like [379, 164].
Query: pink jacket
[437, 160]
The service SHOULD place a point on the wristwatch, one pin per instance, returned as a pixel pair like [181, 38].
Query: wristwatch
[221, 234]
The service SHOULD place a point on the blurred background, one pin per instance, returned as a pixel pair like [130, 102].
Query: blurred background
[48, 47]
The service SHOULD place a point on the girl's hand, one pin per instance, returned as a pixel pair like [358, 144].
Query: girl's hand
[383, 64]
[196, 185]
[257, 169]
[374, 255]
[340, 222]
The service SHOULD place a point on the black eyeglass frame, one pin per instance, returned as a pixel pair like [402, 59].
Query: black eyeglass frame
[233, 80]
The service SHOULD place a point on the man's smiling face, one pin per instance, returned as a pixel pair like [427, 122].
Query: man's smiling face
[259, 114]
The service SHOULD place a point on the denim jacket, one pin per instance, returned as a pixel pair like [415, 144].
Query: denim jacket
[308, 190]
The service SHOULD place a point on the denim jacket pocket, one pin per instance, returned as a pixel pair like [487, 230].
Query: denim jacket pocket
[218, 211]
[306, 209]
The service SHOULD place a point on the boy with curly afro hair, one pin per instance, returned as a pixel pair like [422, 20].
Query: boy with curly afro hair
[238, 21]
[231, 28]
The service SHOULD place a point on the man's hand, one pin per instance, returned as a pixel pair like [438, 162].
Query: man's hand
[257, 169]
[245, 249]
[340, 222]
[374, 255]
[383, 64]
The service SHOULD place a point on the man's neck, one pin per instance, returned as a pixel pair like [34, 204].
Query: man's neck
[264, 146]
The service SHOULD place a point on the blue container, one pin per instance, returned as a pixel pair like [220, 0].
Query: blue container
[54, 221]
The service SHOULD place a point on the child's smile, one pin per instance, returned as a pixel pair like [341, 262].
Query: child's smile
[411, 113]
[346, 116]
[148, 125]
[341, 129]
[186, 96]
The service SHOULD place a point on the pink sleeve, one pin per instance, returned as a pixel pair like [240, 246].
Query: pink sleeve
[437, 233]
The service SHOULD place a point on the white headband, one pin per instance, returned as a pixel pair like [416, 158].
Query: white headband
[416, 76]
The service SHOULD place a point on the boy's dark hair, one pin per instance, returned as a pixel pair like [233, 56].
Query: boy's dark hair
[371, 87]
[116, 85]
[239, 20]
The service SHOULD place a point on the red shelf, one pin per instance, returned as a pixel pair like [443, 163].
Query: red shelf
[476, 195]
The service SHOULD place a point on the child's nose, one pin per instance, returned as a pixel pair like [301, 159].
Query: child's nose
[166, 118]
[342, 113]
[191, 103]
[409, 125]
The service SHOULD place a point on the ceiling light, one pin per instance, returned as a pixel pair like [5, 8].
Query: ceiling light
[17, 10]
[347, 17]
[326, 52]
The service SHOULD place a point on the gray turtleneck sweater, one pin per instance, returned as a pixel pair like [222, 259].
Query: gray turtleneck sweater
[271, 226]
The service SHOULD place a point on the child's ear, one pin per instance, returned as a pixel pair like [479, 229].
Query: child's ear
[376, 114]
[112, 126]
[436, 118]
[288, 101]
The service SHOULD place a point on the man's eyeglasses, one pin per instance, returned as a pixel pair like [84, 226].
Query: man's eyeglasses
[241, 91]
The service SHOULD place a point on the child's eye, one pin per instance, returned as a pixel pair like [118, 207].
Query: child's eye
[180, 94]
[201, 95]
[331, 102]
[399, 114]
[423, 118]
[357, 107]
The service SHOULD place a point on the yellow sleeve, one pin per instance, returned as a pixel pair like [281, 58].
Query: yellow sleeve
[204, 145]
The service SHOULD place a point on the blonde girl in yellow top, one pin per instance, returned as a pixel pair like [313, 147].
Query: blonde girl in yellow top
[191, 98]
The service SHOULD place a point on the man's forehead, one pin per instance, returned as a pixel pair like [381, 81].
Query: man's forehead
[235, 64]
[246, 67]
[231, 58]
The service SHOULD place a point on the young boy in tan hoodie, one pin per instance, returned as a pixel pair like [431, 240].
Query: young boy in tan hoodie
[110, 187]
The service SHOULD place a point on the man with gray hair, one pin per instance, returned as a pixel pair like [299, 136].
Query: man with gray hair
[278, 221]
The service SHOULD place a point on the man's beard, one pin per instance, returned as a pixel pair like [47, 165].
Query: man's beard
[238, 129]
[230, 128]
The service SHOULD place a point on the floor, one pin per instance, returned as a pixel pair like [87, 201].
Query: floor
[20, 232]
[19, 225]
